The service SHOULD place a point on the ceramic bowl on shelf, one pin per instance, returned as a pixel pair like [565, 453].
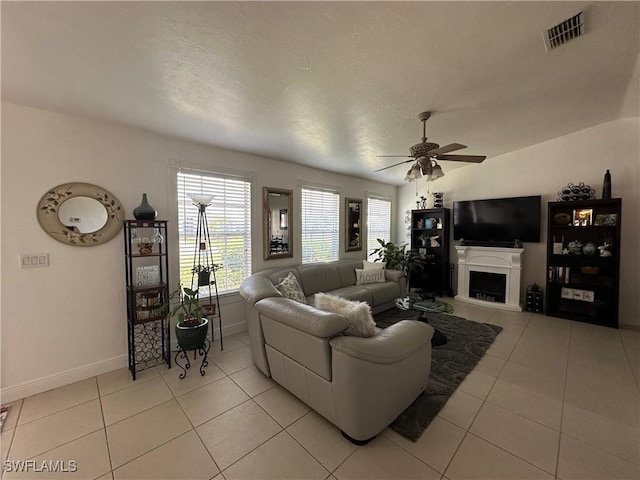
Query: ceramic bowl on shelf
[562, 218]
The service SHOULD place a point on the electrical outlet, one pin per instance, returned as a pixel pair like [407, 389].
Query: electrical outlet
[34, 260]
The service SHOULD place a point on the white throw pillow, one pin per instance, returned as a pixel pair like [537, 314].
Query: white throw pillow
[290, 288]
[369, 275]
[361, 322]
[366, 265]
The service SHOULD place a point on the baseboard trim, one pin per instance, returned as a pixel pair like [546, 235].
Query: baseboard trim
[61, 379]
[78, 374]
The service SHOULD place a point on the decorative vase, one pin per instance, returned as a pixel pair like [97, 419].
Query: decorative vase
[144, 211]
[606, 185]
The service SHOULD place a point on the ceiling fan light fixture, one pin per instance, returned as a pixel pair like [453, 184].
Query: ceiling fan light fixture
[409, 178]
[437, 172]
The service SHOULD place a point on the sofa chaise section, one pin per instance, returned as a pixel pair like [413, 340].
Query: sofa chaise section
[359, 384]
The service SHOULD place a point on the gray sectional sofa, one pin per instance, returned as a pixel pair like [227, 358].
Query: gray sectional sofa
[359, 384]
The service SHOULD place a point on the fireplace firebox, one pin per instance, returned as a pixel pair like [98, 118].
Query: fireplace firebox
[486, 286]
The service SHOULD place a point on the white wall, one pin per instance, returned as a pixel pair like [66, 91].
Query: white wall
[68, 322]
[542, 170]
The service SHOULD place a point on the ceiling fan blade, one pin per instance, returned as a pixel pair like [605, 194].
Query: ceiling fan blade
[462, 158]
[394, 156]
[394, 165]
[448, 148]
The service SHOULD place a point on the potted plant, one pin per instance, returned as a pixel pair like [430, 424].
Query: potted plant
[398, 258]
[191, 325]
[204, 273]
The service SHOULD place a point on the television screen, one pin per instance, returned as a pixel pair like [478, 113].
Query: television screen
[500, 220]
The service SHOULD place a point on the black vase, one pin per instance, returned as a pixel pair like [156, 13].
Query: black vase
[144, 211]
[606, 185]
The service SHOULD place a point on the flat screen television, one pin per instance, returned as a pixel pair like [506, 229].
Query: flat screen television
[497, 220]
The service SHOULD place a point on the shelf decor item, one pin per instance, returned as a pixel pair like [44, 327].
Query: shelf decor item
[606, 185]
[573, 192]
[438, 199]
[582, 217]
[144, 211]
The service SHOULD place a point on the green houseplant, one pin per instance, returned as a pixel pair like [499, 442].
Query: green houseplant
[397, 257]
[191, 325]
[204, 273]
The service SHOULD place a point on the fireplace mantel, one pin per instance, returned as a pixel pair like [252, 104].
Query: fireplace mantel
[505, 261]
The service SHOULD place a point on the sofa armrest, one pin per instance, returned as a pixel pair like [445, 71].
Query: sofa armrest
[256, 287]
[302, 317]
[390, 345]
[399, 277]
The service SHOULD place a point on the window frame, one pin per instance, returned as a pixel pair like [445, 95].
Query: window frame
[334, 235]
[181, 253]
[371, 235]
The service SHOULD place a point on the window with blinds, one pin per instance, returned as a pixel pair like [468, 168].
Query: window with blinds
[320, 224]
[229, 222]
[378, 222]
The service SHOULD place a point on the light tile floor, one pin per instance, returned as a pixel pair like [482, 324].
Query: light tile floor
[551, 399]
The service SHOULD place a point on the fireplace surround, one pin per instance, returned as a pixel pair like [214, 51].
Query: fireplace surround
[496, 276]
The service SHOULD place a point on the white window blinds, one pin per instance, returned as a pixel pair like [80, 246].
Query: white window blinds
[320, 224]
[229, 222]
[378, 222]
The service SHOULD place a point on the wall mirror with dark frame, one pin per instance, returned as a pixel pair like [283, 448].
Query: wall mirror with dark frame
[80, 214]
[353, 224]
[277, 205]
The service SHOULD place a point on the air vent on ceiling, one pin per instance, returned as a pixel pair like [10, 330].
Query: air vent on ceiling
[563, 32]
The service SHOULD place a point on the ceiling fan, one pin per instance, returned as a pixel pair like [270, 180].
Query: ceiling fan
[425, 155]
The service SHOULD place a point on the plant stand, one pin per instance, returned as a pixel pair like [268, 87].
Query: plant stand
[203, 351]
[203, 256]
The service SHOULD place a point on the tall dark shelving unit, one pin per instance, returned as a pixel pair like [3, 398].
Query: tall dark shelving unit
[582, 282]
[430, 222]
[147, 288]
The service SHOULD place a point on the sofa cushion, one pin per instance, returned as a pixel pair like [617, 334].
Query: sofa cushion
[383, 292]
[290, 288]
[369, 275]
[366, 265]
[361, 322]
[318, 278]
[347, 271]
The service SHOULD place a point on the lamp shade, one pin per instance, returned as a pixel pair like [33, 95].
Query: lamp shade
[408, 178]
[201, 199]
[437, 172]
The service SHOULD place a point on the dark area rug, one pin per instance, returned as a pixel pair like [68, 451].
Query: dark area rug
[467, 343]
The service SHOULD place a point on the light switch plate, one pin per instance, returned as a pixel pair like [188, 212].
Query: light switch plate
[34, 260]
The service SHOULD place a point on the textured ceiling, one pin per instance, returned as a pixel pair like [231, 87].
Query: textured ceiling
[329, 84]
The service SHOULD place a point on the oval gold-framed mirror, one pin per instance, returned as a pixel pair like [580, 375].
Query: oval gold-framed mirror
[277, 205]
[80, 214]
[353, 224]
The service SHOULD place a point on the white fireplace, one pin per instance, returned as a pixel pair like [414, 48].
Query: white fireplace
[490, 276]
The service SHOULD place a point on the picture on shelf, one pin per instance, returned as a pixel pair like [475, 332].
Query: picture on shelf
[582, 217]
[606, 219]
[209, 309]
